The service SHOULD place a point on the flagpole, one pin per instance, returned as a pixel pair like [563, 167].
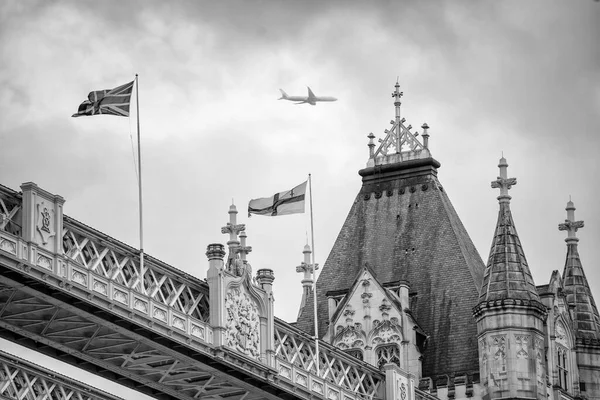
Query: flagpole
[137, 102]
[314, 275]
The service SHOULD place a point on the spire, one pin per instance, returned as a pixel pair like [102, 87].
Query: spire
[307, 282]
[507, 274]
[233, 229]
[575, 284]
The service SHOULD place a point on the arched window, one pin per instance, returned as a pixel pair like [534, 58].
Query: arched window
[388, 353]
[562, 356]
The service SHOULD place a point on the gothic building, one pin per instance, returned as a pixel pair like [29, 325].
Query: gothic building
[404, 284]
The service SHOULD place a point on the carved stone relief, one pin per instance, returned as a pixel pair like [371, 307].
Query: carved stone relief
[386, 331]
[498, 362]
[522, 342]
[539, 365]
[44, 222]
[350, 337]
[243, 324]
[561, 335]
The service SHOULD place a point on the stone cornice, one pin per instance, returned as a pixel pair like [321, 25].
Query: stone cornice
[504, 305]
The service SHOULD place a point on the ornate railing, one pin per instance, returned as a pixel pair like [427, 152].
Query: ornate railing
[118, 262]
[10, 207]
[111, 269]
[20, 379]
[339, 376]
[90, 264]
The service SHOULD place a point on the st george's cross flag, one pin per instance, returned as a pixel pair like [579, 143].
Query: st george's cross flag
[283, 203]
[109, 101]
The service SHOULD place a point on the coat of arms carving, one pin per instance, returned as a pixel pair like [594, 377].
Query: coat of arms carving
[243, 324]
[44, 222]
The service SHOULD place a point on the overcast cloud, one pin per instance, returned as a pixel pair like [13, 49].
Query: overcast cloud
[517, 77]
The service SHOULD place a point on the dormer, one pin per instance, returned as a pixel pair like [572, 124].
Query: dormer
[374, 324]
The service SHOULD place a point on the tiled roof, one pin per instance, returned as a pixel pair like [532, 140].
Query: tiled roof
[577, 289]
[507, 274]
[404, 227]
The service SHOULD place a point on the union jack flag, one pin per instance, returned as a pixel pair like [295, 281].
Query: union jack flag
[109, 101]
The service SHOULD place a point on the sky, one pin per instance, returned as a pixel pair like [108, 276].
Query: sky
[490, 78]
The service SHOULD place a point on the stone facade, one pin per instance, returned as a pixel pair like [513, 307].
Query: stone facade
[404, 285]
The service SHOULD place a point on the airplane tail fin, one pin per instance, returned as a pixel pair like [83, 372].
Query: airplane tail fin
[283, 95]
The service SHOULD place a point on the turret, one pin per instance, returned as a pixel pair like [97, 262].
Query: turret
[576, 287]
[510, 317]
[576, 356]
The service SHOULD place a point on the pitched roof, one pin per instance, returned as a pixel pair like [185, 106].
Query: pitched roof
[404, 227]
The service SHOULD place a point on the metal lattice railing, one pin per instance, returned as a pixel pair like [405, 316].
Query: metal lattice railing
[115, 261]
[295, 354]
[23, 380]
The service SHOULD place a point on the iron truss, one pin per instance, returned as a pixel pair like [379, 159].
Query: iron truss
[23, 380]
[55, 323]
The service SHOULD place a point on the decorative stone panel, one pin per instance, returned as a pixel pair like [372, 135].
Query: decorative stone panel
[242, 322]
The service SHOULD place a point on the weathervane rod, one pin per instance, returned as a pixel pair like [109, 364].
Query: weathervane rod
[137, 102]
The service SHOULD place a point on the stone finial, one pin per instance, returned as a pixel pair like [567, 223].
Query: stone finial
[371, 145]
[215, 251]
[306, 266]
[397, 94]
[233, 229]
[425, 135]
[243, 249]
[570, 225]
[265, 278]
[503, 182]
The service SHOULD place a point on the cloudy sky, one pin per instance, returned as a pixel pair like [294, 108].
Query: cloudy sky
[517, 77]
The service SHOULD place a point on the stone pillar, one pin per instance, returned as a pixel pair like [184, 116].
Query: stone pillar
[42, 225]
[215, 278]
[399, 384]
[265, 278]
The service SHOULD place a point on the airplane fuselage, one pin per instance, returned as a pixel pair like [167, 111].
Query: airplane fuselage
[310, 99]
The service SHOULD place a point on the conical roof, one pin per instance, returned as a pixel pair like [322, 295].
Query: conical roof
[507, 274]
[575, 284]
[404, 227]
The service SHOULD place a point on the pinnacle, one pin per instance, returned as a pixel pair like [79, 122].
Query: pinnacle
[507, 274]
[575, 284]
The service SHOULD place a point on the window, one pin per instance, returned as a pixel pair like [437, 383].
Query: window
[389, 353]
[562, 364]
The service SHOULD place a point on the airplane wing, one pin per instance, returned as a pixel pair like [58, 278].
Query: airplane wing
[311, 95]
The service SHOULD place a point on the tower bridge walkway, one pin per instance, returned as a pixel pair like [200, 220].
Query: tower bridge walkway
[76, 294]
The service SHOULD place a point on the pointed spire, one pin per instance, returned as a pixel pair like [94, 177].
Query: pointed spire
[575, 284]
[507, 274]
[307, 282]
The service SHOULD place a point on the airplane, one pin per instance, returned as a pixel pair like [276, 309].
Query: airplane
[310, 99]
